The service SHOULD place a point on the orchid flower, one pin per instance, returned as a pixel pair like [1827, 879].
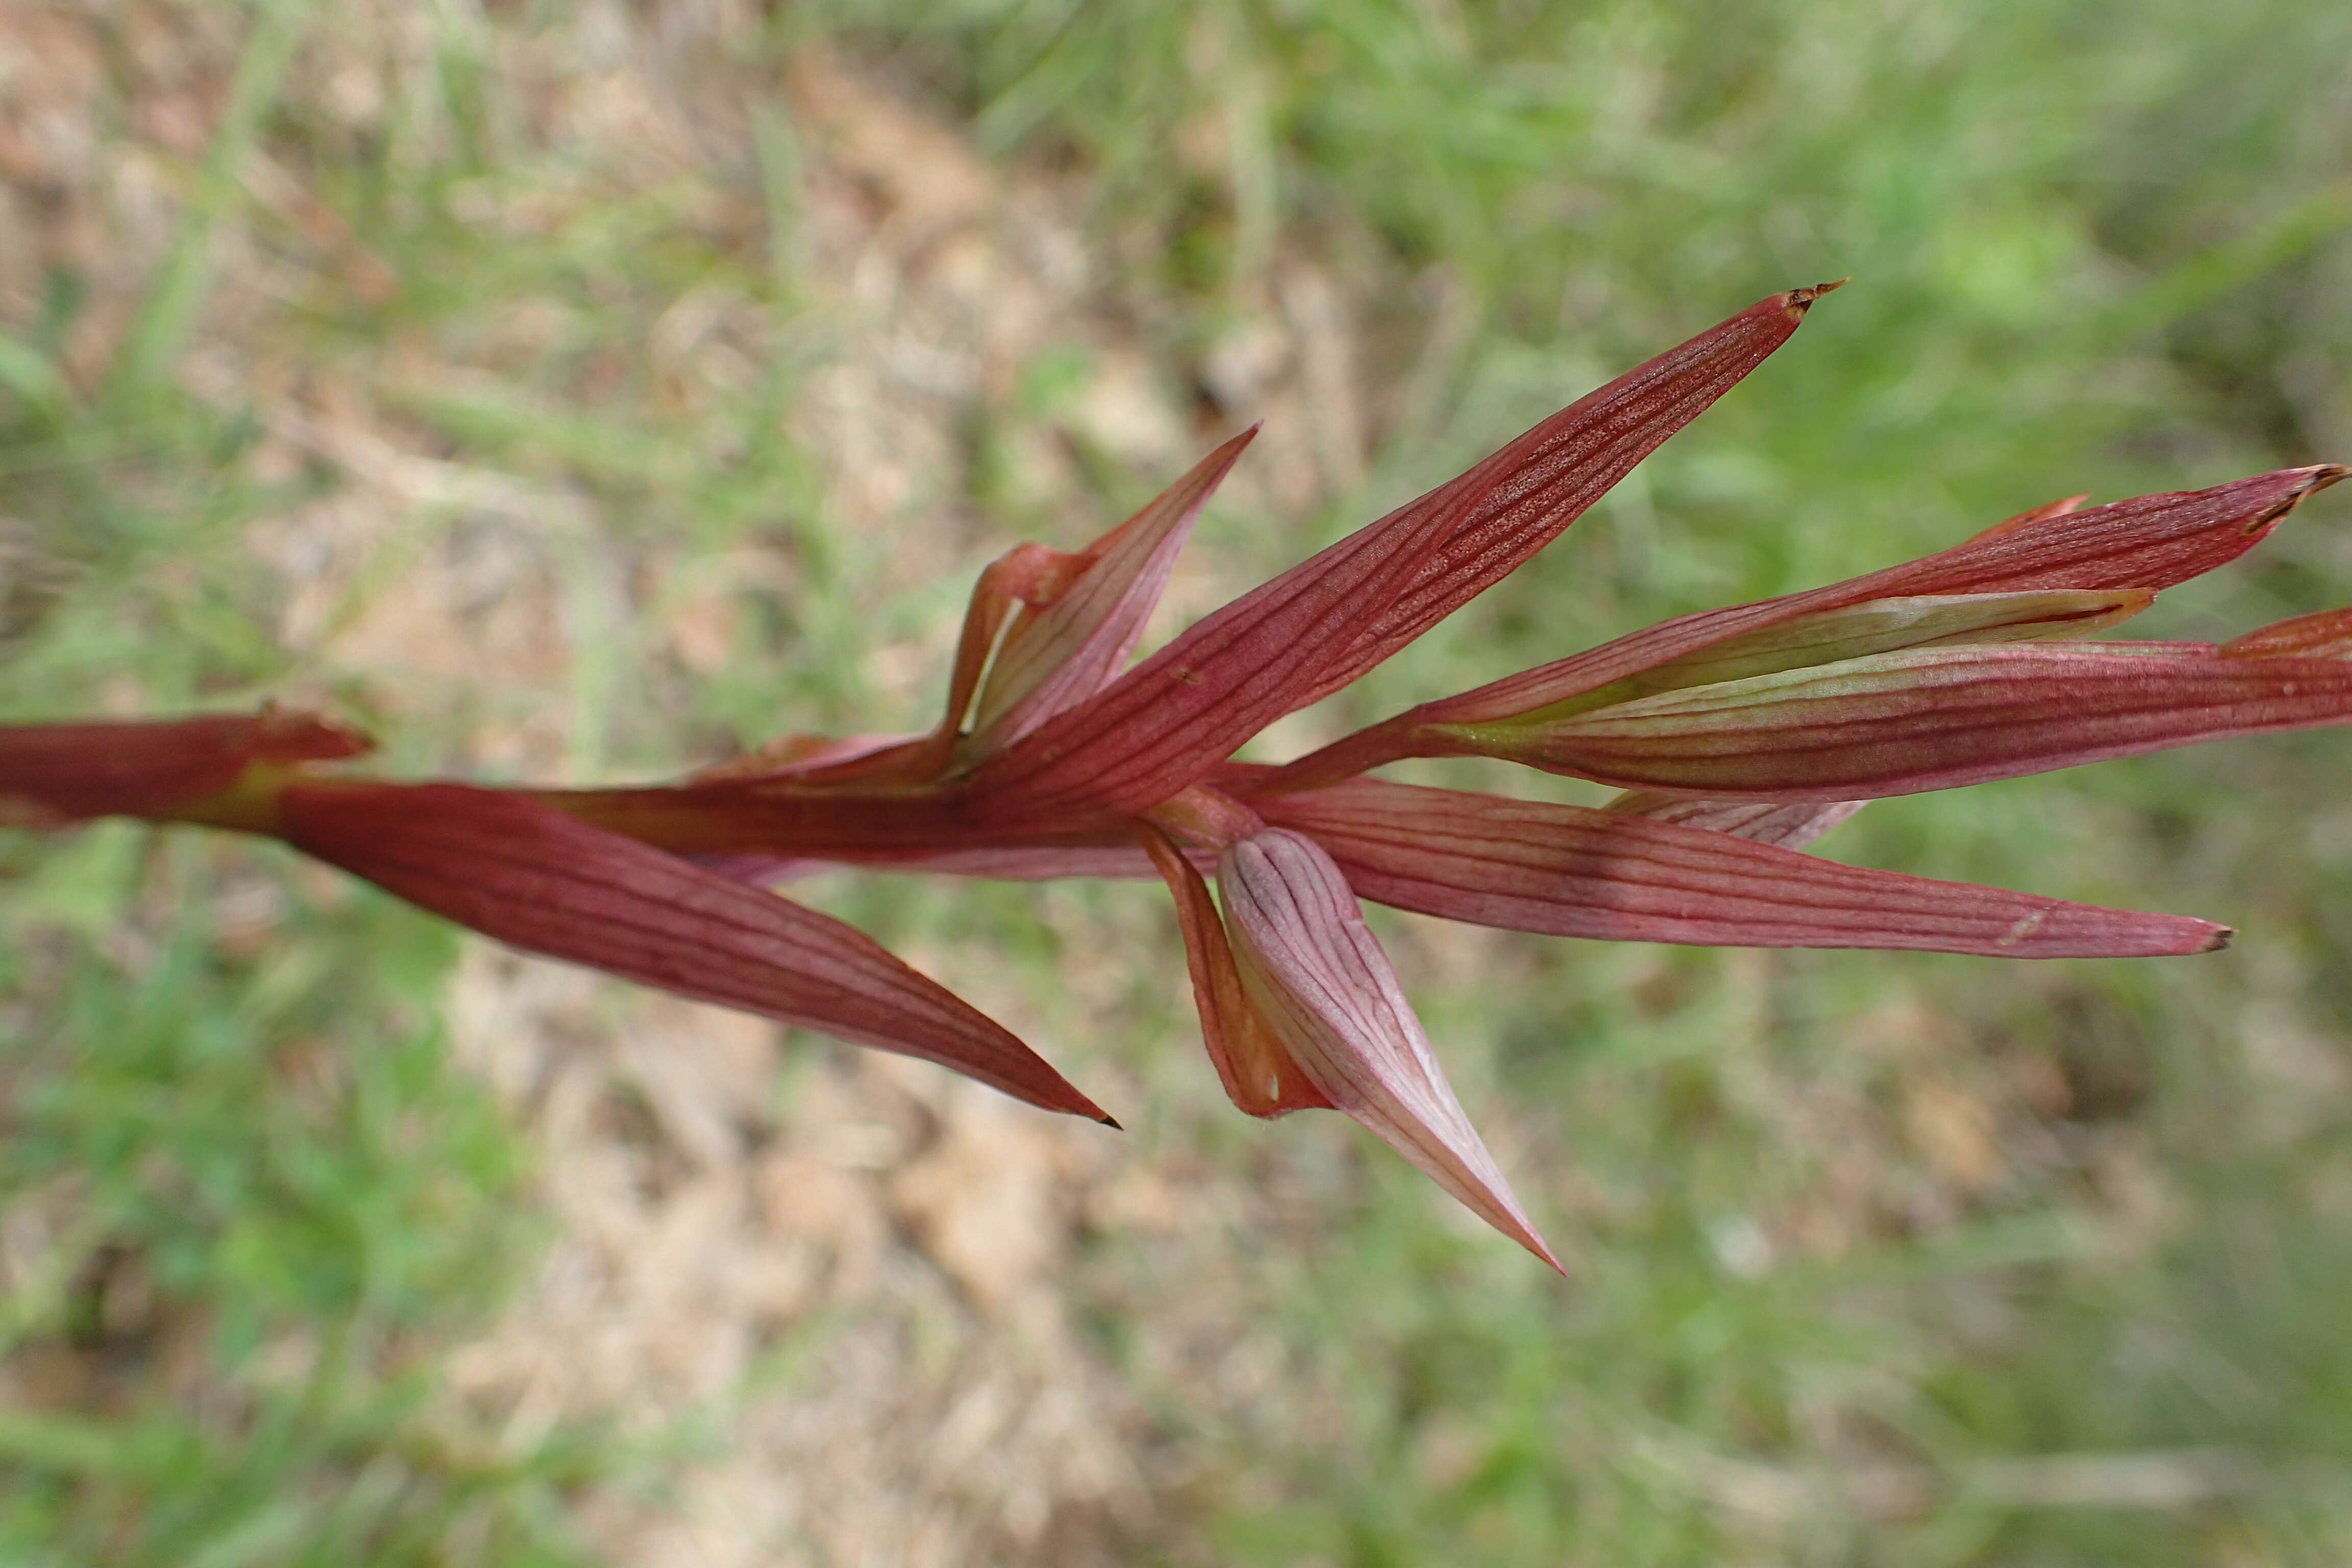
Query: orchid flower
[1738, 734]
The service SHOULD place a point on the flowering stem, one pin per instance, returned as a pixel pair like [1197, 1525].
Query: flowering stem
[1390, 741]
[748, 819]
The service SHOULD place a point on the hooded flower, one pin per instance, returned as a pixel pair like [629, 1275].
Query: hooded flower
[1738, 734]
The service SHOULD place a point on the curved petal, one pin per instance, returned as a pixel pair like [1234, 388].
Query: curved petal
[1313, 971]
[1259, 1073]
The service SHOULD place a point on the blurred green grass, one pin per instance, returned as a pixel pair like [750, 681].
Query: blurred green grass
[2096, 246]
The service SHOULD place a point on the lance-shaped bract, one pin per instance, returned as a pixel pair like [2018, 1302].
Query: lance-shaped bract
[1875, 626]
[1260, 1075]
[2147, 543]
[1066, 649]
[1327, 621]
[1046, 630]
[2133, 547]
[1318, 977]
[1925, 718]
[2327, 635]
[1568, 870]
[56, 774]
[513, 868]
[509, 866]
[1788, 824]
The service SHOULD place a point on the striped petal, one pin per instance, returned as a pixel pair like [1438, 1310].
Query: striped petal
[1259, 1073]
[1875, 626]
[1313, 971]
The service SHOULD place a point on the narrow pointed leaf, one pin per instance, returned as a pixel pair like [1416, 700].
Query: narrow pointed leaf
[1790, 825]
[535, 878]
[807, 757]
[2145, 542]
[2027, 519]
[1881, 625]
[1927, 719]
[1565, 870]
[1877, 625]
[53, 774]
[2327, 635]
[1327, 621]
[2148, 542]
[1313, 969]
[1062, 651]
[1256, 1069]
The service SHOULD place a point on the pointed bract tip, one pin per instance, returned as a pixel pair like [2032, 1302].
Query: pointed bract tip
[2315, 479]
[2220, 939]
[291, 735]
[1802, 300]
[1107, 1119]
[1074, 1102]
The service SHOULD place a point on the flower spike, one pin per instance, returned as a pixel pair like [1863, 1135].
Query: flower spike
[1741, 734]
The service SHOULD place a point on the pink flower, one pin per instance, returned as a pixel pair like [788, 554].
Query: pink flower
[1739, 733]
